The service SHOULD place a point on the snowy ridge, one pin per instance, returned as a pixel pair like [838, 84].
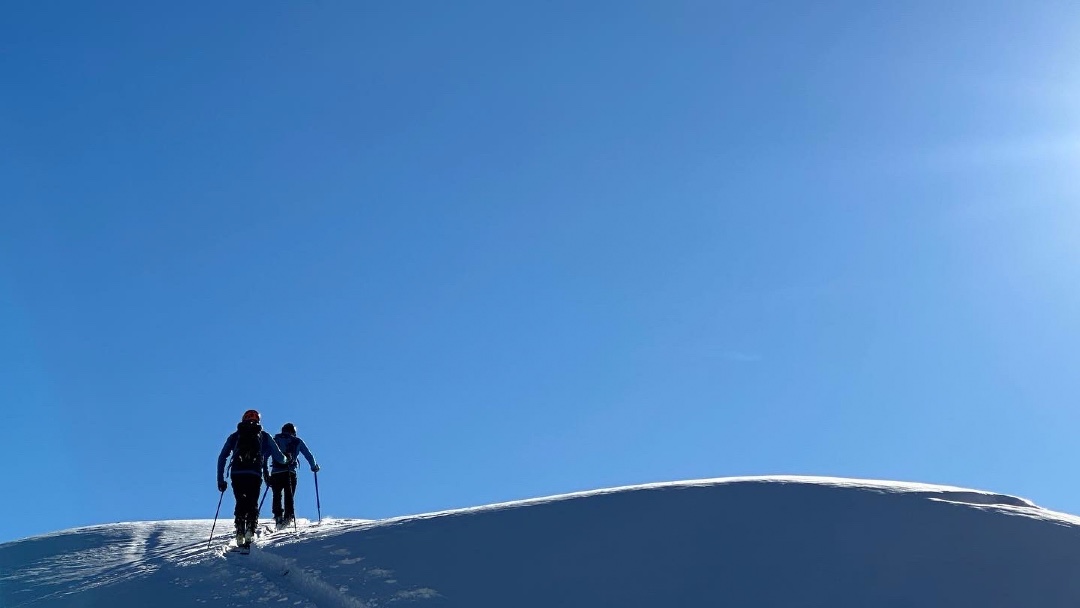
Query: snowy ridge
[952, 493]
[767, 542]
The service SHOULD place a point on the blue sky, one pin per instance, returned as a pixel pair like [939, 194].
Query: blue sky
[480, 252]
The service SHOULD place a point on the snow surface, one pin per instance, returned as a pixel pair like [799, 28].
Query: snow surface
[759, 542]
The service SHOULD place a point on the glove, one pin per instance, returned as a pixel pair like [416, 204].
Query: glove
[267, 478]
[221, 485]
[315, 469]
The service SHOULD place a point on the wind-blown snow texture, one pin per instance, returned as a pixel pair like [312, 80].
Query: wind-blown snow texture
[762, 542]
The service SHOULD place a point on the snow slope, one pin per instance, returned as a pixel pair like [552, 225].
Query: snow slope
[761, 542]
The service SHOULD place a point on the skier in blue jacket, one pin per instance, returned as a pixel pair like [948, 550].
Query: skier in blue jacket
[250, 446]
[282, 478]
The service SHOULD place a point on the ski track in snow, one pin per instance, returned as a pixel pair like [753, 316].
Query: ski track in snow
[275, 578]
[311, 576]
[291, 577]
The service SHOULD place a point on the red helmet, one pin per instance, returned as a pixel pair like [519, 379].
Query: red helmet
[251, 415]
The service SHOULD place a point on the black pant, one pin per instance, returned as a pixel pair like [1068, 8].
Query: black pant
[283, 482]
[246, 491]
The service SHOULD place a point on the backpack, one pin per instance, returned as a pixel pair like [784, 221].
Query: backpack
[247, 453]
[290, 448]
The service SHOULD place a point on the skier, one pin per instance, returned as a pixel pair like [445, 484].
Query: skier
[283, 477]
[250, 446]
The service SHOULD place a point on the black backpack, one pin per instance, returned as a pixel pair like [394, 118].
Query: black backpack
[247, 454]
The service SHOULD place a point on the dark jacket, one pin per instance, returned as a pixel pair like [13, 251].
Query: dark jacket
[269, 450]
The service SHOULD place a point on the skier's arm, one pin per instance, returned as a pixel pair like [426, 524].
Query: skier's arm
[275, 451]
[225, 450]
[307, 454]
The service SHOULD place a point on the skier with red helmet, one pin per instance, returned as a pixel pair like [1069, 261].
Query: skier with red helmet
[249, 446]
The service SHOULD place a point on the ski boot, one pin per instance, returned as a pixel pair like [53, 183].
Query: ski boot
[249, 532]
[241, 534]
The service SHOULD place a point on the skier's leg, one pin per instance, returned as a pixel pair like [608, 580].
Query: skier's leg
[238, 513]
[238, 496]
[277, 482]
[247, 488]
[253, 515]
[290, 493]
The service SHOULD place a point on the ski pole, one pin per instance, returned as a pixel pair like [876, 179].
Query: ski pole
[290, 492]
[318, 505]
[216, 513]
[261, 500]
[292, 488]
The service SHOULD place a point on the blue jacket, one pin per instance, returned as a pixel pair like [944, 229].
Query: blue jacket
[268, 447]
[291, 445]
